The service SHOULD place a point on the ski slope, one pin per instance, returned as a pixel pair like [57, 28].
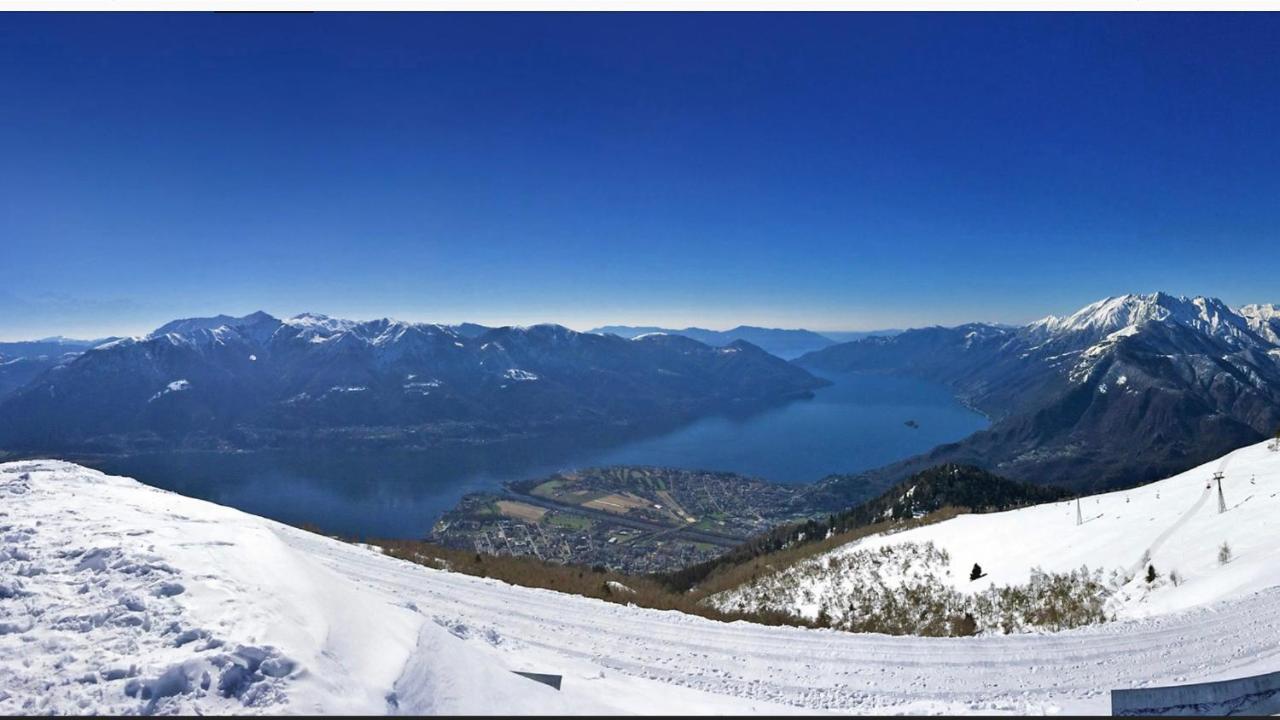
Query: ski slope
[1173, 525]
[120, 598]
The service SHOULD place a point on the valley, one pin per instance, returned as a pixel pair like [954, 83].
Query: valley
[853, 423]
[636, 520]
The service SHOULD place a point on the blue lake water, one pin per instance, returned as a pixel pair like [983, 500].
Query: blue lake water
[857, 423]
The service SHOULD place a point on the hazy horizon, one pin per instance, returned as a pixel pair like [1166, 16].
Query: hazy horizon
[103, 331]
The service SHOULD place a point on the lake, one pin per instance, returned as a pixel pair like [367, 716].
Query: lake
[857, 423]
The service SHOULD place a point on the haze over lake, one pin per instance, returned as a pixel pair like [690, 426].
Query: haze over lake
[857, 423]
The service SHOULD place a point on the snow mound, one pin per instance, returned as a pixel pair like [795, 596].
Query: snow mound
[122, 599]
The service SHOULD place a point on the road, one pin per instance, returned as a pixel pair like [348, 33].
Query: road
[830, 670]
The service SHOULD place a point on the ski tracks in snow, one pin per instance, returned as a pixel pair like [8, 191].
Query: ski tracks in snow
[830, 670]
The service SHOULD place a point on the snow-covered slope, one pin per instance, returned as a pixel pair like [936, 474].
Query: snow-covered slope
[116, 597]
[1206, 315]
[1264, 319]
[1174, 525]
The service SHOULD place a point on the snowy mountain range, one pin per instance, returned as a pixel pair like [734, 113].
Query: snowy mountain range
[118, 598]
[255, 380]
[1125, 390]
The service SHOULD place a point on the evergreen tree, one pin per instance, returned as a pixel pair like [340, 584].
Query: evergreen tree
[1151, 574]
[824, 618]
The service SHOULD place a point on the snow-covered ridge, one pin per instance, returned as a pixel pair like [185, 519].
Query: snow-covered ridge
[1264, 319]
[116, 597]
[1207, 315]
[320, 329]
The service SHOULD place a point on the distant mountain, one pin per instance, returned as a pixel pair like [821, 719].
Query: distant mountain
[844, 336]
[22, 362]
[1264, 320]
[786, 344]
[1126, 390]
[470, 330]
[257, 380]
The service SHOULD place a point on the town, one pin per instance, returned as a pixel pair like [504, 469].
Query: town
[632, 519]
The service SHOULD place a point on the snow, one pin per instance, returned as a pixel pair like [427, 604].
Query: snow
[319, 322]
[116, 597]
[421, 387]
[1264, 319]
[122, 342]
[121, 598]
[1121, 316]
[1174, 521]
[173, 387]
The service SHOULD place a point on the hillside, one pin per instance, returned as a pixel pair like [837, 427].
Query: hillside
[1173, 525]
[256, 381]
[119, 598]
[1126, 390]
[946, 487]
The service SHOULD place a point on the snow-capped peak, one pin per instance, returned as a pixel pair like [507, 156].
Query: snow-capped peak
[319, 323]
[1264, 319]
[1104, 317]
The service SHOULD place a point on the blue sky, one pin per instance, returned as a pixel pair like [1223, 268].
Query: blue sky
[835, 171]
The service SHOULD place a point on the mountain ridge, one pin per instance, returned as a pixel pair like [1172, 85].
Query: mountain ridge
[785, 343]
[1125, 390]
[254, 379]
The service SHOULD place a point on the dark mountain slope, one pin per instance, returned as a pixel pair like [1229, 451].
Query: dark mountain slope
[22, 362]
[244, 382]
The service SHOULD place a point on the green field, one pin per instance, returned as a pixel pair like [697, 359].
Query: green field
[576, 522]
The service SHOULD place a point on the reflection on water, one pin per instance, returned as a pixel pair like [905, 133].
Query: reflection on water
[857, 423]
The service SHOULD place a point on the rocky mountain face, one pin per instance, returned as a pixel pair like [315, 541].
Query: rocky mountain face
[785, 343]
[257, 380]
[1126, 390]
